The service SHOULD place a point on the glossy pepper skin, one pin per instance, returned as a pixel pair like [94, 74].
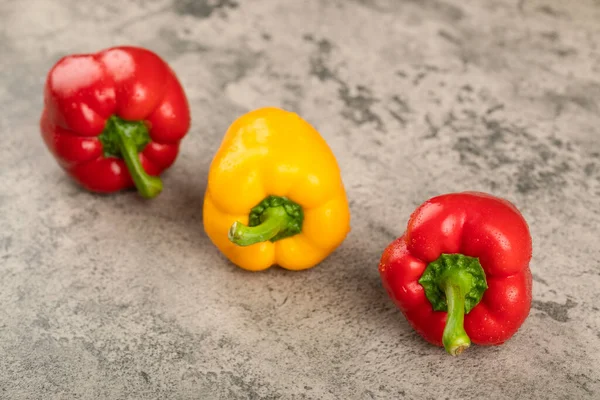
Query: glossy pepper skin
[275, 194]
[463, 262]
[114, 119]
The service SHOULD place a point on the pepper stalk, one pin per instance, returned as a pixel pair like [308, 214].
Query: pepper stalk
[126, 139]
[273, 219]
[454, 283]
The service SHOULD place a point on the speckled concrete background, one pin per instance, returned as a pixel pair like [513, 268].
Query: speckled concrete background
[112, 297]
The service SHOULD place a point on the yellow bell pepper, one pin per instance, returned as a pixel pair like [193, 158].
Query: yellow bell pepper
[275, 195]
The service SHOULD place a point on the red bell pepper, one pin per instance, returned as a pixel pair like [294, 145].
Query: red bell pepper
[114, 119]
[460, 272]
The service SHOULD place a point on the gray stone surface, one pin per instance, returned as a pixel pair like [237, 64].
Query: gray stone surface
[113, 297]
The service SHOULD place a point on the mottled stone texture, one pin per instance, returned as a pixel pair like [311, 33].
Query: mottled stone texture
[113, 297]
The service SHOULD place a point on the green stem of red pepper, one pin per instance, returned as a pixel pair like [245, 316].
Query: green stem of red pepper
[455, 339]
[454, 283]
[126, 139]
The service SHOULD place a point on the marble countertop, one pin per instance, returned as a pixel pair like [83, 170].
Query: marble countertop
[114, 297]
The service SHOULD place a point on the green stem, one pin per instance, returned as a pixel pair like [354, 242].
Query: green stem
[273, 219]
[148, 186]
[454, 283]
[455, 339]
[126, 139]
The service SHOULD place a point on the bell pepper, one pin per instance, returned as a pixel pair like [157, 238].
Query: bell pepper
[275, 195]
[114, 119]
[460, 272]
